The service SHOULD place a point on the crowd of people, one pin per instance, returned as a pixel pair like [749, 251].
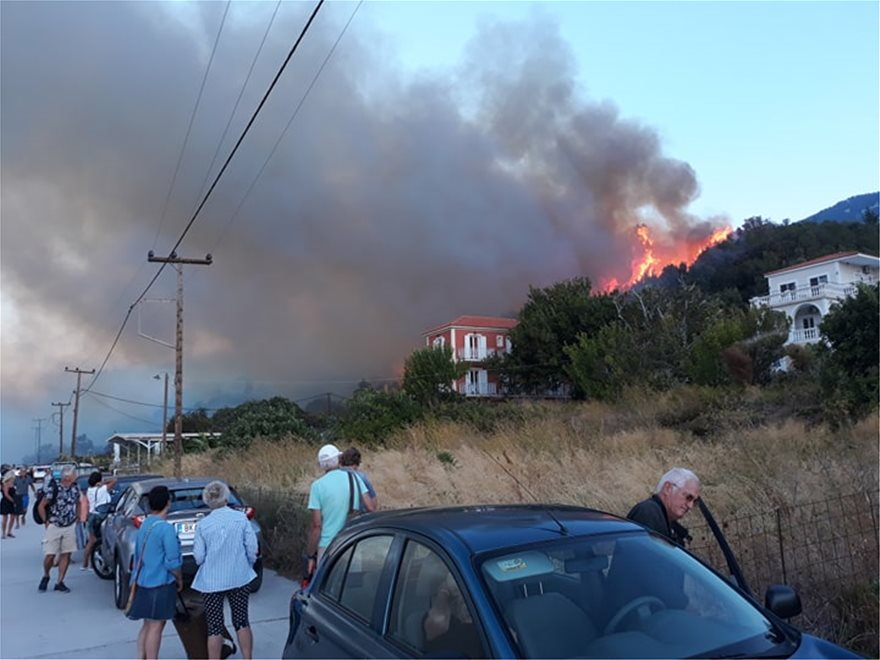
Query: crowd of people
[225, 544]
[17, 486]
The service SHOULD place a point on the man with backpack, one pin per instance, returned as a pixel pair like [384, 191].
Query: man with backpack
[59, 510]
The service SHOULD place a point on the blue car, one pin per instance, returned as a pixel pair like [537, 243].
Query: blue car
[534, 582]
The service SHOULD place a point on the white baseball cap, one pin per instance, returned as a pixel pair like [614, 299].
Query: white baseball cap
[328, 456]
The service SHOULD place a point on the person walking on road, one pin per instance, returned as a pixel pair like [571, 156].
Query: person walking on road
[59, 508]
[676, 494]
[225, 548]
[7, 504]
[24, 484]
[351, 461]
[157, 573]
[97, 494]
[331, 499]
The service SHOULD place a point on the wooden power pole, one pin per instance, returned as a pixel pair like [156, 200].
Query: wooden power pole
[178, 263]
[79, 372]
[61, 407]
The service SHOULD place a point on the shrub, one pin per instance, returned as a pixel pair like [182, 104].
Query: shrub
[372, 416]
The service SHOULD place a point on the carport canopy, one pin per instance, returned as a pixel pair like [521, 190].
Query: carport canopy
[151, 444]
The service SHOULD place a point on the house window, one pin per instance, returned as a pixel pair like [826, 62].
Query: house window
[809, 322]
[439, 342]
[817, 281]
[499, 341]
[788, 286]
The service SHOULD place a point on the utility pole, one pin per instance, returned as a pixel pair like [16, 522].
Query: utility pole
[61, 407]
[79, 372]
[164, 412]
[178, 263]
[39, 429]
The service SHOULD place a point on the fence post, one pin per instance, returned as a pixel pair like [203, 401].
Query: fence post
[781, 547]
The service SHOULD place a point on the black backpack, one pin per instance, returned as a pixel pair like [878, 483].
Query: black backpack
[40, 495]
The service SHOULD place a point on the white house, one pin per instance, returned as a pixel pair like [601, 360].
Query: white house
[806, 291]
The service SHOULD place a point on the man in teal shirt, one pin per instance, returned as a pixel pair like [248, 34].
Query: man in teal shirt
[331, 498]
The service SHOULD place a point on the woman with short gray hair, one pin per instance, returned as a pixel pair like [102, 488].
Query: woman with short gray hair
[225, 548]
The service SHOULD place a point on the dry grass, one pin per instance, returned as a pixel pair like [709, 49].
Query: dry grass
[603, 456]
[589, 454]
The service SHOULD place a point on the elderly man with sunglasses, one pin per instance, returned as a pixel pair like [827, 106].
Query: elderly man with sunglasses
[677, 493]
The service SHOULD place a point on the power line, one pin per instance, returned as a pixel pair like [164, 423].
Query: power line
[240, 95]
[124, 414]
[287, 126]
[144, 403]
[207, 194]
[189, 127]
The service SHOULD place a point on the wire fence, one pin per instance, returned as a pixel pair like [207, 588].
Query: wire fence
[827, 550]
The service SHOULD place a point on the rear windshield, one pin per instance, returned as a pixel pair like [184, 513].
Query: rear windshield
[187, 499]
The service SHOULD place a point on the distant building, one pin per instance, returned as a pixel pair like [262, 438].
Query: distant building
[140, 448]
[473, 339]
[806, 291]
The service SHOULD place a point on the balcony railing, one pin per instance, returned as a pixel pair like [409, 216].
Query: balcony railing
[780, 298]
[487, 389]
[803, 336]
[475, 355]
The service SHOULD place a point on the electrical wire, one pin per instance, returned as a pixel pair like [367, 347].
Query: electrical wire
[207, 194]
[124, 414]
[238, 100]
[299, 105]
[189, 127]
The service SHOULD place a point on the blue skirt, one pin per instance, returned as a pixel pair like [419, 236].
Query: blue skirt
[155, 603]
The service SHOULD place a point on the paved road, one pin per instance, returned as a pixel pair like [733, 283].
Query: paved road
[86, 624]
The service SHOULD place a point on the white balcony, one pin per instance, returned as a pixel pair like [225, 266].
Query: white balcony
[804, 336]
[481, 389]
[781, 298]
[470, 354]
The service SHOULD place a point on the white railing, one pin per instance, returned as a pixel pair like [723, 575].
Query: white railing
[834, 291]
[474, 389]
[803, 336]
[475, 354]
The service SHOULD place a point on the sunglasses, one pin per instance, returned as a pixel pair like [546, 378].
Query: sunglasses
[688, 497]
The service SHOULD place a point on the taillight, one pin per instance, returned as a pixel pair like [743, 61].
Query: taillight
[250, 512]
[138, 521]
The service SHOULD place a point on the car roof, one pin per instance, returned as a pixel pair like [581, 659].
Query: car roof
[487, 527]
[174, 483]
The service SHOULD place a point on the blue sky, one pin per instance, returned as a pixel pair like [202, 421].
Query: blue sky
[774, 104]
[388, 199]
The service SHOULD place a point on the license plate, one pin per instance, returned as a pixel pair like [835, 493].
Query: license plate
[186, 527]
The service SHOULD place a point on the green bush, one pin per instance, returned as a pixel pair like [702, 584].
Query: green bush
[372, 416]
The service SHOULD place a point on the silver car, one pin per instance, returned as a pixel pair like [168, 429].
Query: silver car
[119, 531]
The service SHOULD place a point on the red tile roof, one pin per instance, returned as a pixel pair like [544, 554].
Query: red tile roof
[476, 322]
[813, 262]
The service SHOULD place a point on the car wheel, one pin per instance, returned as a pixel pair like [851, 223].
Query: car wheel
[120, 585]
[257, 582]
[102, 569]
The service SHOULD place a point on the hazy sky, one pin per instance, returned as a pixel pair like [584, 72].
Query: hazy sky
[449, 156]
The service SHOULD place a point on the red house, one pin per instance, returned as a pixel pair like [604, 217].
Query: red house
[473, 339]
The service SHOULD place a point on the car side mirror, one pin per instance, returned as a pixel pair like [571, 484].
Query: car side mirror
[782, 600]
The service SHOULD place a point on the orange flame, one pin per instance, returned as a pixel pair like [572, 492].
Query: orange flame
[651, 258]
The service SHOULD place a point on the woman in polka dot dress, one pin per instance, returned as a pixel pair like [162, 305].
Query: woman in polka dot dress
[225, 548]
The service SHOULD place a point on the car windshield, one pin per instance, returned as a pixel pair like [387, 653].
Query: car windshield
[626, 596]
[187, 499]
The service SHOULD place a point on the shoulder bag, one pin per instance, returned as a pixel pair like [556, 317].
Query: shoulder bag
[353, 509]
[132, 588]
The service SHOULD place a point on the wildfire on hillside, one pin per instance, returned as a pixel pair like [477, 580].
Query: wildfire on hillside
[650, 257]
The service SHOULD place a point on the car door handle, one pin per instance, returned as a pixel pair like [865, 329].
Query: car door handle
[312, 632]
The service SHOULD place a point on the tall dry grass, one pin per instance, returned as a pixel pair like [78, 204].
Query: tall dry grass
[750, 457]
[607, 457]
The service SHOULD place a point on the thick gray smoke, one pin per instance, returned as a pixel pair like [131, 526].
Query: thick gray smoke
[392, 205]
